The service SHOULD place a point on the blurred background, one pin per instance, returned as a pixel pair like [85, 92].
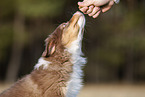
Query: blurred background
[114, 43]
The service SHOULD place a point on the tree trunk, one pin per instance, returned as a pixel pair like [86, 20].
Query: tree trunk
[17, 48]
[129, 68]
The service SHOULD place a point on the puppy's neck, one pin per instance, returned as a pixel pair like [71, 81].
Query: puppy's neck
[59, 58]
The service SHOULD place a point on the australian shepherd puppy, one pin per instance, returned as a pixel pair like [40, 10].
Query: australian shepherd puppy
[58, 72]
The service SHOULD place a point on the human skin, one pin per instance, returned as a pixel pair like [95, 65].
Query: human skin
[94, 7]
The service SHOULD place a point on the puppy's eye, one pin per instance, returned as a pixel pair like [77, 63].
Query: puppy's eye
[64, 25]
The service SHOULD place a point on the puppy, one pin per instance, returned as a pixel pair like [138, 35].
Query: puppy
[58, 72]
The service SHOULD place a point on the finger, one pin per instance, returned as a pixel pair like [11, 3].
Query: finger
[85, 3]
[90, 9]
[107, 7]
[95, 9]
[97, 14]
[84, 9]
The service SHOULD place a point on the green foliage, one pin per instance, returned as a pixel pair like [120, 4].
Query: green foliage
[5, 39]
[6, 7]
[133, 20]
[40, 8]
[109, 57]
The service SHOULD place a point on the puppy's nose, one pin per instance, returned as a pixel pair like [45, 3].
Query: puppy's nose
[78, 13]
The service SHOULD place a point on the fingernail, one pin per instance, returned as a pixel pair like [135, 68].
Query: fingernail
[91, 6]
[89, 14]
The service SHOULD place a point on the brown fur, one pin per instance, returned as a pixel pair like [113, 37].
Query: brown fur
[52, 81]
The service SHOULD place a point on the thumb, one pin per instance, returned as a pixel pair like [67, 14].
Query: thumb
[85, 3]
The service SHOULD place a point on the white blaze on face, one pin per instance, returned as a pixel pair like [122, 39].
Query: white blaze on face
[76, 45]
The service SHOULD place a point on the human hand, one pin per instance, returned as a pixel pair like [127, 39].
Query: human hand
[94, 7]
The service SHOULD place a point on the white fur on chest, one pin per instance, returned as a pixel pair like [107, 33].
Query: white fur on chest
[75, 83]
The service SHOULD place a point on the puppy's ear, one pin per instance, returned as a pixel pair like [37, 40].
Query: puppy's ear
[49, 49]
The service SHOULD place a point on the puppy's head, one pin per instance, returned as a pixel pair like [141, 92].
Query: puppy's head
[66, 35]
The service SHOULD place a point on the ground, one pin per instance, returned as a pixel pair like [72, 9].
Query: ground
[106, 90]
[113, 90]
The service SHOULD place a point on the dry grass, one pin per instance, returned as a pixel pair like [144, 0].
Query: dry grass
[106, 90]
[113, 90]
[4, 86]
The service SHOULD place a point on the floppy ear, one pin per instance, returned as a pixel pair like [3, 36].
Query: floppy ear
[49, 49]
